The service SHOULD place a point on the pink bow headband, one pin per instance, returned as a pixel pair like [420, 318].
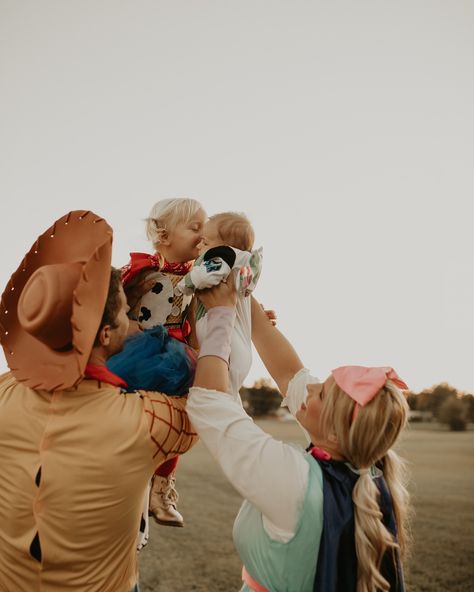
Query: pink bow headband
[362, 383]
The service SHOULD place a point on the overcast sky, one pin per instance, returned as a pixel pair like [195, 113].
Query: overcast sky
[344, 129]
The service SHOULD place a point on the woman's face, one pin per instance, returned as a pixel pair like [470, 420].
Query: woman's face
[309, 416]
[310, 411]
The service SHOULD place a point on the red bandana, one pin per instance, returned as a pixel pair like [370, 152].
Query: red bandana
[103, 374]
[177, 268]
[139, 261]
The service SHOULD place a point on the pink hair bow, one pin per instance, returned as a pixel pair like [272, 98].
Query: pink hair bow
[362, 383]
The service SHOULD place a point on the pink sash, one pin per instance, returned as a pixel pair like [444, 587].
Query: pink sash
[247, 579]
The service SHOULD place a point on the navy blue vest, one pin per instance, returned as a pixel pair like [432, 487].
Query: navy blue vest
[337, 560]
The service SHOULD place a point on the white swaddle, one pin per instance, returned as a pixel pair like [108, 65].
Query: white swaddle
[209, 270]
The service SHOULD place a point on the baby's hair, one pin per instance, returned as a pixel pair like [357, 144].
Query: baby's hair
[166, 213]
[235, 230]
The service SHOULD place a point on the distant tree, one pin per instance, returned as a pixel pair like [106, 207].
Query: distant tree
[260, 399]
[468, 400]
[453, 412]
[423, 400]
[432, 399]
[412, 400]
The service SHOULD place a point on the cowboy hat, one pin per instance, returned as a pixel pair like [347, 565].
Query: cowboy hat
[51, 308]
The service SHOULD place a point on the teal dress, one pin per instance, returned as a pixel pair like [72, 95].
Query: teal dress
[279, 566]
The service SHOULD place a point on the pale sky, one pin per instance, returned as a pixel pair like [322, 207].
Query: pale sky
[343, 129]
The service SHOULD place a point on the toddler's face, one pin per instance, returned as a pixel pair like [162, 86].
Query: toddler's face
[185, 237]
[210, 237]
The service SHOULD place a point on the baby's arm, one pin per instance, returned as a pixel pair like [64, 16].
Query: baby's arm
[205, 275]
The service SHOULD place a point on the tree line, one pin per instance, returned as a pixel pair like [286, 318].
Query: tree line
[446, 405]
[442, 403]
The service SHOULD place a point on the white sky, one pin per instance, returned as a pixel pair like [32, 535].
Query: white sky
[344, 129]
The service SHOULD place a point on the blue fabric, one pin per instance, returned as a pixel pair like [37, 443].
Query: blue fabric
[152, 360]
[337, 560]
[278, 565]
[136, 588]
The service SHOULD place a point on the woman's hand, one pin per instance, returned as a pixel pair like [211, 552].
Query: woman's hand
[224, 294]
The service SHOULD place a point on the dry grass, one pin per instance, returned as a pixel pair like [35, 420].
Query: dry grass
[201, 557]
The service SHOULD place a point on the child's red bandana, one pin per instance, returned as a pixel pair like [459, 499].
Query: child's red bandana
[140, 261]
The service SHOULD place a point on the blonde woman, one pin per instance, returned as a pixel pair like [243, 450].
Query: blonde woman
[328, 519]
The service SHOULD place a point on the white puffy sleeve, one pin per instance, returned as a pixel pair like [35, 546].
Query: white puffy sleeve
[272, 475]
[297, 393]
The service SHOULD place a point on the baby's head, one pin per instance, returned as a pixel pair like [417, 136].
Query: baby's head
[174, 227]
[229, 228]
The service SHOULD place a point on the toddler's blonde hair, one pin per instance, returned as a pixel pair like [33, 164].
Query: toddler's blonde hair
[166, 213]
[235, 230]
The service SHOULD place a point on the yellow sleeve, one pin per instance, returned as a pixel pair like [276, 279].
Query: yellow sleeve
[170, 429]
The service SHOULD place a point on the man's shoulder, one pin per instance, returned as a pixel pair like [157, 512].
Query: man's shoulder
[7, 379]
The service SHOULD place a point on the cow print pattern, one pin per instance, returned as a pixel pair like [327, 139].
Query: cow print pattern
[163, 303]
[145, 314]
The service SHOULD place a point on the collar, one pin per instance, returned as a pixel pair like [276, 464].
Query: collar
[177, 268]
[140, 261]
[319, 453]
[103, 374]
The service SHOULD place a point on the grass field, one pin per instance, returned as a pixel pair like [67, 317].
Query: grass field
[201, 557]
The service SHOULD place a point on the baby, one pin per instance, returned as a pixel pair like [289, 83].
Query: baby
[226, 245]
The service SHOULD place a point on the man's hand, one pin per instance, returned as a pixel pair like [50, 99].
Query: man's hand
[224, 294]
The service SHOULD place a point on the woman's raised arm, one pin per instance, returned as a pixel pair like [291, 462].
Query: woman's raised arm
[276, 352]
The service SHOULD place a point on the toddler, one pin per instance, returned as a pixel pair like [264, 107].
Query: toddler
[153, 358]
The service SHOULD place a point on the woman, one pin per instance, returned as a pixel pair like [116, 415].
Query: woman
[332, 518]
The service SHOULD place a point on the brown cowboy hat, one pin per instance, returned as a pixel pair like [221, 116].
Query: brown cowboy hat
[52, 306]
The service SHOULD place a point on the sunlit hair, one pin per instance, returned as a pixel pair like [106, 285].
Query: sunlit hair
[166, 214]
[364, 442]
[235, 230]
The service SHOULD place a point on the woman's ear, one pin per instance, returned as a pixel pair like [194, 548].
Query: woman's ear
[104, 335]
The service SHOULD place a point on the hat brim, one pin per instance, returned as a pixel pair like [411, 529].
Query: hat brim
[80, 236]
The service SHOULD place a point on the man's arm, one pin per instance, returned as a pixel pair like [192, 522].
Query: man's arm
[170, 429]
